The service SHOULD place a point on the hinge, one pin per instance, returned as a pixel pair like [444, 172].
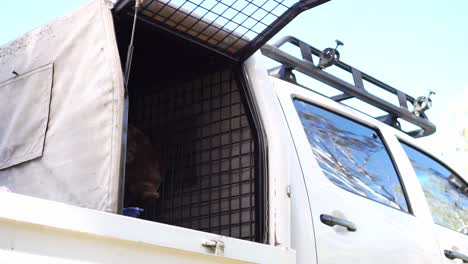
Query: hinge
[288, 191]
[216, 245]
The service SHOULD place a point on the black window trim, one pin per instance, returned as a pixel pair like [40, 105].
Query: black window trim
[381, 136]
[443, 164]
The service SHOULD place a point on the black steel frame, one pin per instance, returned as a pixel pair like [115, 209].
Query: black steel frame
[142, 97]
[261, 155]
[125, 6]
[357, 90]
[189, 173]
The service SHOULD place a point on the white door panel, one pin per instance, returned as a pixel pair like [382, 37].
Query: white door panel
[452, 241]
[446, 196]
[383, 234]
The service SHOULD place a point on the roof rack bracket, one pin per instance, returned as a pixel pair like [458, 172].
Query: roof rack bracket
[402, 99]
[357, 76]
[306, 53]
[390, 120]
[341, 97]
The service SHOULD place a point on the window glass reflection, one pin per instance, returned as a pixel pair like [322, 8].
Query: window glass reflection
[351, 155]
[446, 193]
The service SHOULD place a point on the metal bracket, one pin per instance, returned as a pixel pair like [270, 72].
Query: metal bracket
[216, 245]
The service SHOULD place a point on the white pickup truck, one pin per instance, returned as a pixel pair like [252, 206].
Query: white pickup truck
[256, 165]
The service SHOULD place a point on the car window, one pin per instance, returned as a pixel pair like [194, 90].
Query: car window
[351, 155]
[446, 193]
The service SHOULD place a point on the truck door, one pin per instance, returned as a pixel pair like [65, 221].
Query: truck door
[360, 209]
[447, 196]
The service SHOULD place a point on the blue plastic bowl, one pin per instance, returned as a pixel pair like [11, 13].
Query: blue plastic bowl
[133, 211]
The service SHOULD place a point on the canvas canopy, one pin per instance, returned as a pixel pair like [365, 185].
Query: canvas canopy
[61, 105]
[62, 95]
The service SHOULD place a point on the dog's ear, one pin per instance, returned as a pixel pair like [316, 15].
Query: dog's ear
[132, 139]
[131, 154]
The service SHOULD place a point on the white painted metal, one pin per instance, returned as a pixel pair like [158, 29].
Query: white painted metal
[279, 150]
[451, 240]
[33, 230]
[384, 234]
[289, 217]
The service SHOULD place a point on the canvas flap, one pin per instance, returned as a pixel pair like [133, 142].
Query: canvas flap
[24, 113]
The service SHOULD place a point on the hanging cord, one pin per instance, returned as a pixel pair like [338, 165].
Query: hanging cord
[123, 150]
[128, 63]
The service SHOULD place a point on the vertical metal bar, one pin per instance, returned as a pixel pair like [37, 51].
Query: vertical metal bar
[210, 116]
[173, 150]
[230, 158]
[357, 77]
[194, 154]
[128, 64]
[260, 170]
[163, 156]
[123, 154]
[180, 181]
[239, 168]
[220, 160]
[201, 151]
[402, 99]
[251, 196]
[305, 52]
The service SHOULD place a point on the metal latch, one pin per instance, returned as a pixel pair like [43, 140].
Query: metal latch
[216, 245]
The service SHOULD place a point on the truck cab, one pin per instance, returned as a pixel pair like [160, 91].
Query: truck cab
[253, 165]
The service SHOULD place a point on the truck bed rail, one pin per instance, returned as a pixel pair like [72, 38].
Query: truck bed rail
[34, 230]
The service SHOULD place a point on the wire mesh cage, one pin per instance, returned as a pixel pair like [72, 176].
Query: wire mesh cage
[234, 27]
[207, 153]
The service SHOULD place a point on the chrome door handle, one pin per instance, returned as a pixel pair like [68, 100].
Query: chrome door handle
[455, 255]
[330, 220]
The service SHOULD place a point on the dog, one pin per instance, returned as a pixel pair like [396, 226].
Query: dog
[142, 170]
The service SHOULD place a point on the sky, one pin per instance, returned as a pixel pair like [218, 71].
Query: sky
[415, 46]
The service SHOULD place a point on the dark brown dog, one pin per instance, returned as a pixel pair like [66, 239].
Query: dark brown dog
[142, 171]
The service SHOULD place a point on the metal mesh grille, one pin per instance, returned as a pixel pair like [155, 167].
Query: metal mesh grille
[227, 25]
[207, 152]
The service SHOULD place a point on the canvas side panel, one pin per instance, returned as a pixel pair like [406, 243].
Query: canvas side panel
[79, 163]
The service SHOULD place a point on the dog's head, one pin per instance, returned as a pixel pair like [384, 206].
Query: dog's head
[143, 175]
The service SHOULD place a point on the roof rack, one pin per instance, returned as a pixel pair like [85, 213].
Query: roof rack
[349, 91]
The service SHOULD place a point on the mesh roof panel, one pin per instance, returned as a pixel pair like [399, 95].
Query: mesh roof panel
[233, 27]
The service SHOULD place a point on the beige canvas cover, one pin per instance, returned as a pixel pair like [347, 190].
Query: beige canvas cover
[61, 100]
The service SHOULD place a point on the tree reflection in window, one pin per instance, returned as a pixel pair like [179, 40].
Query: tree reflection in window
[351, 155]
[446, 193]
